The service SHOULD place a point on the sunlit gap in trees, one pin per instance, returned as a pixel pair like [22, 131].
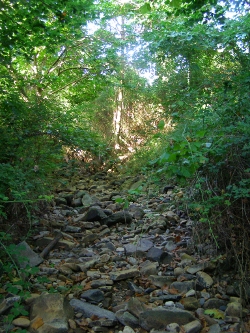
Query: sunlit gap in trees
[131, 52]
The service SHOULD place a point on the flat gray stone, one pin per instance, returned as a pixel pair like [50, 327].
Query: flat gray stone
[161, 281]
[149, 268]
[143, 245]
[154, 254]
[124, 274]
[193, 327]
[184, 286]
[89, 310]
[204, 280]
[95, 213]
[43, 242]
[119, 217]
[214, 303]
[71, 228]
[159, 318]
[93, 295]
[135, 307]
[215, 328]
[26, 256]
[127, 319]
[90, 238]
[197, 268]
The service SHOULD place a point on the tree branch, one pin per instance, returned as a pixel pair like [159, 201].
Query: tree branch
[55, 63]
[67, 85]
[71, 68]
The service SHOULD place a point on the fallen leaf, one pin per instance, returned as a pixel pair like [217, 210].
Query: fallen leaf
[36, 323]
[94, 317]
[87, 286]
[177, 239]
[173, 291]
[182, 278]
[215, 313]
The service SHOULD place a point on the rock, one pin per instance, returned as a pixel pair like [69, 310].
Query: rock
[169, 304]
[148, 268]
[190, 293]
[187, 257]
[192, 327]
[95, 213]
[54, 310]
[171, 216]
[143, 245]
[60, 201]
[71, 228]
[204, 280]
[21, 322]
[103, 322]
[214, 303]
[158, 318]
[196, 268]
[215, 328]
[170, 246]
[124, 274]
[190, 303]
[93, 296]
[8, 302]
[89, 310]
[161, 281]
[156, 254]
[90, 238]
[173, 328]
[127, 319]
[137, 212]
[119, 217]
[26, 256]
[133, 287]
[84, 267]
[80, 194]
[183, 287]
[87, 200]
[101, 282]
[178, 271]
[76, 202]
[43, 242]
[128, 329]
[234, 309]
[135, 307]
[199, 313]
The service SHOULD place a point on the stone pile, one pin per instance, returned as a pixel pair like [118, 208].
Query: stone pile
[119, 267]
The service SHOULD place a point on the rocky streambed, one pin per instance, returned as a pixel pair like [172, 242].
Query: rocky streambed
[109, 262]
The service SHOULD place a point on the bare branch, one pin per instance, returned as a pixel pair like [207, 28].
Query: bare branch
[55, 64]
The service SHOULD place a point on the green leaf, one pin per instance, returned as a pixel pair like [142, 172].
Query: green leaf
[164, 157]
[175, 3]
[119, 200]
[200, 134]
[185, 172]
[215, 313]
[172, 157]
[161, 125]
[145, 9]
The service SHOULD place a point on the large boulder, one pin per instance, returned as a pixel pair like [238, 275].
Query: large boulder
[52, 311]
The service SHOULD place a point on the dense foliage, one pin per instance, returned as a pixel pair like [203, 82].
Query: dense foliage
[202, 64]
